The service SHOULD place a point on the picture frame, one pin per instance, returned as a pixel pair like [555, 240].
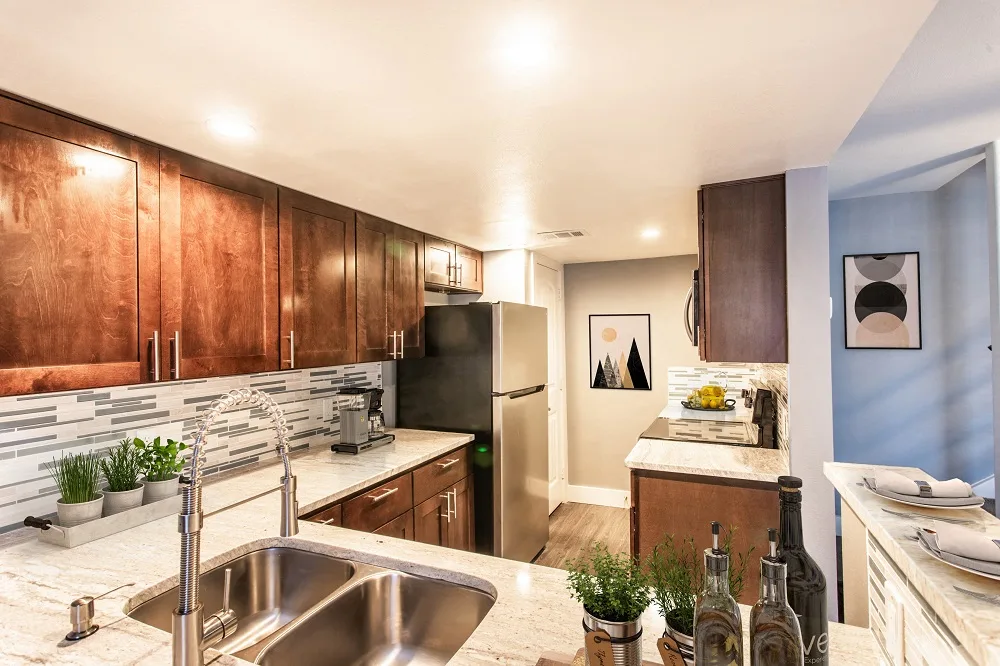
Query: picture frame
[620, 352]
[882, 308]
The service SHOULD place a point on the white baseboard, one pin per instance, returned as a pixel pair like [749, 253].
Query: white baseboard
[985, 487]
[599, 496]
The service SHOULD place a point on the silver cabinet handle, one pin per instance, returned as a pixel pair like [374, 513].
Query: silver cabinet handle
[454, 503]
[379, 498]
[447, 511]
[393, 336]
[448, 463]
[175, 372]
[156, 355]
[688, 328]
[291, 349]
[458, 271]
[327, 522]
[402, 346]
[449, 268]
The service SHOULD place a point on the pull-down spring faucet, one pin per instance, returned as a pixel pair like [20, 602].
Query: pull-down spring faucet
[192, 635]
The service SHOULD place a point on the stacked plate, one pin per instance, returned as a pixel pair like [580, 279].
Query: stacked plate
[970, 502]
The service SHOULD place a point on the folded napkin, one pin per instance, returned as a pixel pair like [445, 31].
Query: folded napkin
[931, 539]
[897, 483]
[962, 541]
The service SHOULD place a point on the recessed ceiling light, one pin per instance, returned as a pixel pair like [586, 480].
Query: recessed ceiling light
[230, 126]
[651, 233]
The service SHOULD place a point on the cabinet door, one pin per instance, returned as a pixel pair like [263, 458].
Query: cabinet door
[79, 254]
[470, 269]
[219, 269]
[702, 313]
[744, 259]
[408, 291]
[333, 515]
[317, 281]
[460, 528]
[400, 528]
[430, 521]
[374, 274]
[439, 262]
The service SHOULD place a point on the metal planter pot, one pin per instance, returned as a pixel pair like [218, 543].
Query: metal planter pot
[160, 490]
[71, 515]
[116, 502]
[626, 638]
[684, 642]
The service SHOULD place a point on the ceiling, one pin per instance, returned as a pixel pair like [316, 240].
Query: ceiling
[936, 111]
[485, 122]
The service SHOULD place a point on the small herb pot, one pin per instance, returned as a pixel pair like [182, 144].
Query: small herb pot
[161, 490]
[684, 642]
[71, 515]
[626, 638]
[116, 502]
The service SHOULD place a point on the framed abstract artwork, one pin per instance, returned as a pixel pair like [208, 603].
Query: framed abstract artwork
[619, 352]
[882, 301]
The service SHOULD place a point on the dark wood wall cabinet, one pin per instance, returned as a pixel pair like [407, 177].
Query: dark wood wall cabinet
[451, 268]
[685, 505]
[743, 307]
[431, 504]
[122, 262]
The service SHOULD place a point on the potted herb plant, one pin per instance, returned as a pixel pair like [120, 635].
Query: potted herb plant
[161, 463]
[77, 477]
[614, 592]
[677, 575]
[121, 469]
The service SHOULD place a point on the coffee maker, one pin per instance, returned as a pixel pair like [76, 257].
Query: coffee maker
[362, 424]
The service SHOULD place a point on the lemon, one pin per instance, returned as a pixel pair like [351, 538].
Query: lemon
[714, 403]
[705, 403]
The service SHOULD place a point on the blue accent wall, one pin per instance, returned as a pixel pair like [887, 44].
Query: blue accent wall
[928, 408]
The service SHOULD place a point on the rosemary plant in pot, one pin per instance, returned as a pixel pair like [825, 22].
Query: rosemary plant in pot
[614, 591]
[121, 468]
[677, 576]
[161, 464]
[77, 477]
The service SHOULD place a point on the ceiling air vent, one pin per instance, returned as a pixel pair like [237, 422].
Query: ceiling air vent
[566, 234]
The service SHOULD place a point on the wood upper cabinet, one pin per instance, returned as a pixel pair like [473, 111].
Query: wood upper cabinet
[408, 291]
[219, 269]
[316, 285]
[439, 262]
[470, 269]
[742, 271]
[79, 253]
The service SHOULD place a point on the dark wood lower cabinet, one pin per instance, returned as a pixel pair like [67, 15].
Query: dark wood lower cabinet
[400, 528]
[429, 521]
[685, 506]
[460, 532]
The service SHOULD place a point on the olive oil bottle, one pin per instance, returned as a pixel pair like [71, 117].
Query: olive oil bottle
[775, 637]
[718, 631]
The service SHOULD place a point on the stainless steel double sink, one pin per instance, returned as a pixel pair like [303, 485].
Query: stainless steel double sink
[310, 609]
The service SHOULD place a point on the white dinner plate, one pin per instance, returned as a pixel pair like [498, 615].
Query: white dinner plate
[976, 502]
[930, 552]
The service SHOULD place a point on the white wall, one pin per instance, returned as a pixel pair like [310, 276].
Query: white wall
[603, 425]
[927, 408]
[810, 390]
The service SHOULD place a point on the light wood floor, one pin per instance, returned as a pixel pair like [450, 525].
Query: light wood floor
[574, 527]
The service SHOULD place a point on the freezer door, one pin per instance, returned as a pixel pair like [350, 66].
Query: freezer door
[520, 347]
[521, 474]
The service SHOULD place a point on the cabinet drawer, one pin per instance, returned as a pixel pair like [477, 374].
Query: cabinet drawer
[439, 474]
[379, 505]
[400, 528]
[333, 515]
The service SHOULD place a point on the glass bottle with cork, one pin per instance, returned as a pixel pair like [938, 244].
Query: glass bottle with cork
[806, 584]
[718, 631]
[775, 636]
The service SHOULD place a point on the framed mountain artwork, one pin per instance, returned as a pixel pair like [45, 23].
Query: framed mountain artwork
[882, 301]
[619, 352]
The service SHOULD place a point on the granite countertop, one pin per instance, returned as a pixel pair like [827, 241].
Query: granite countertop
[533, 613]
[974, 623]
[676, 411]
[702, 459]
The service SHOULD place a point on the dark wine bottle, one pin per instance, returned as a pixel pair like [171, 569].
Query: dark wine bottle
[806, 583]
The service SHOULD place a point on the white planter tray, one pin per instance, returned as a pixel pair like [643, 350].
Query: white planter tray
[71, 537]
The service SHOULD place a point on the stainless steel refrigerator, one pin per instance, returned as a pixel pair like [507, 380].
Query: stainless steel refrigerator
[484, 372]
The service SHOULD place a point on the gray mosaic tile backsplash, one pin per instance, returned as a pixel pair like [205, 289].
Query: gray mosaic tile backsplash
[36, 428]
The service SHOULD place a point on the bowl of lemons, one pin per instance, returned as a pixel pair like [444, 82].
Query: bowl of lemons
[709, 398]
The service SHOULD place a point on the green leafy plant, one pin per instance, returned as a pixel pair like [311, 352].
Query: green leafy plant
[677, 574]
[77, 477]
[160, 461]
[122, 467]
[610, 587]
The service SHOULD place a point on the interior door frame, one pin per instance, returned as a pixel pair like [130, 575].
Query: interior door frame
[557, 495]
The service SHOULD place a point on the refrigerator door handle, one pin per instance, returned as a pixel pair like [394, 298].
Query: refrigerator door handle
[514, 395]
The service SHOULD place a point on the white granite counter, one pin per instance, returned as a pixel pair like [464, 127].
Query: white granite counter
[676, 411]
[533, 612]
[975, 624]
[718, 460]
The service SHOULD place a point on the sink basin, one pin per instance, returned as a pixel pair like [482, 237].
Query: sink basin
[270, 588]
[384, 618]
